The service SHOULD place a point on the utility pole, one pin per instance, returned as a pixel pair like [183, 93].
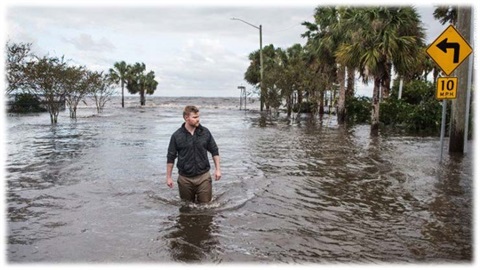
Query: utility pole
[458, 117]
[262, 91]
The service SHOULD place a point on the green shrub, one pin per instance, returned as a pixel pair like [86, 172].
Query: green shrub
[426, 116]
[394, 111]
[414, 92]
[358, 109]
[417, 110]
[26, 103]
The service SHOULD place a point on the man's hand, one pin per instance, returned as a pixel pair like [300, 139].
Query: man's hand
[169, 175]
[169, 182]
[218, 175]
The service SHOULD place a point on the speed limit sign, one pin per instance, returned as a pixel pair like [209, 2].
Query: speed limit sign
[447, 88]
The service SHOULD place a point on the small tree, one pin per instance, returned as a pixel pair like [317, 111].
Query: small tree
[76, 87]
[17, 57]
[102, 89]
[45, 79]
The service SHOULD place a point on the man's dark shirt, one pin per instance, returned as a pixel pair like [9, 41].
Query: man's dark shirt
[191, 150]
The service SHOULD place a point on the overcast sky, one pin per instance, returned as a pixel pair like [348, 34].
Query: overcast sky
[194, 49]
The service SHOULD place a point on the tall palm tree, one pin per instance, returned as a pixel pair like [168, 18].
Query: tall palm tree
[329, 32]
[252, 75]
[140, 82]
[383, 38]
[320, 71]
[422, 68]
[289, 68]
[118, 75]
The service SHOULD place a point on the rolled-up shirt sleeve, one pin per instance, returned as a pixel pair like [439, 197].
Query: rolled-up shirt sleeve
[172, 150]
[212, 147]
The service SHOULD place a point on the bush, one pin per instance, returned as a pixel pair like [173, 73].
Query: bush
[425, 116]
[414, 92]
[394, 111]
[359, 109]
[417, 110]
[26, 103]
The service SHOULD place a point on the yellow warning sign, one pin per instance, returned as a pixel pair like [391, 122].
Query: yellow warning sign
[449, 50]
[447, 88]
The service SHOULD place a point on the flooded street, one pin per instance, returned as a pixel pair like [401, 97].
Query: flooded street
[292, 190]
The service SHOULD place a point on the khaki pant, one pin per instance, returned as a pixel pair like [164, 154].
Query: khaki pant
[197, 187]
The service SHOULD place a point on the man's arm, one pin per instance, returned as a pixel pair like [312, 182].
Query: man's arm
[169, 175]
[171, 156]
[213, 149]
[218, 173]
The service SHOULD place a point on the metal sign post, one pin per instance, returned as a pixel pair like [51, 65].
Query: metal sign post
[449, 50]
[442, 132]
[446, 89]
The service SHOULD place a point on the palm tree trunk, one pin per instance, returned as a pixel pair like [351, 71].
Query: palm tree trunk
[350, 83]
[123, 99]
[341, 98]
[435, 75]
[386, 81]
[142, 98]
[375, 108]
[322, 101]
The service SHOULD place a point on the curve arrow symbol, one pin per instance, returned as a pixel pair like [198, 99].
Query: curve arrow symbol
[444, 45]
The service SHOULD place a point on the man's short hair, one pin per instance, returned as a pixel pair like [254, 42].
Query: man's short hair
[189, 109]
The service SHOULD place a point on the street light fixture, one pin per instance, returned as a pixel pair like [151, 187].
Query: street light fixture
[262, 94]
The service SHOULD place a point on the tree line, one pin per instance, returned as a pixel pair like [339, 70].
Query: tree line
[53, 82]
[375, 44]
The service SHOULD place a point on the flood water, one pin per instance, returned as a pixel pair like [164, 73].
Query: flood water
[300, 190]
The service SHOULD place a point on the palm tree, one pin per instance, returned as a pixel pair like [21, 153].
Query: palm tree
[383, 38]
[446, 14]
[320, 71]
[329, 32]
[118, 75]
[252, 75]
[289, 68]
[139, 82]
[422, 68]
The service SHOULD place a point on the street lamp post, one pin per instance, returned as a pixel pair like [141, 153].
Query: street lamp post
[262, 93]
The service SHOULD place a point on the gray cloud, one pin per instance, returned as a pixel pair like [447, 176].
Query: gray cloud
[86, 42]
[188, 47]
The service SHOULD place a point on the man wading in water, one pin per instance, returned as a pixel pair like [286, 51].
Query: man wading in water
[191, 143]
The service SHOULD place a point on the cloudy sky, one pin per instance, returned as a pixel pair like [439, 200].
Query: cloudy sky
[195, 49]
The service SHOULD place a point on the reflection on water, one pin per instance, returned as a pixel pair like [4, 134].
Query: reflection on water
[293, 190]
[192, 239]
